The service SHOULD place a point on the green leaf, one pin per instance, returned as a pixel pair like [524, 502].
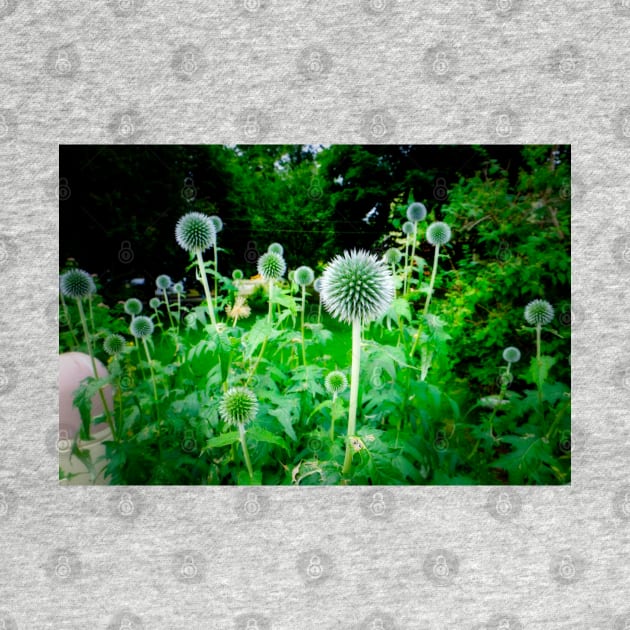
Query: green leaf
[259, 434]
[223, 440]
[283, 416]
[245, 480]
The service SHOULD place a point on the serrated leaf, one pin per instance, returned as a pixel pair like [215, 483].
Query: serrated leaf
[260, 434]
[224, 439]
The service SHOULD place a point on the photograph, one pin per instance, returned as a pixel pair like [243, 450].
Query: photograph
[315, 315]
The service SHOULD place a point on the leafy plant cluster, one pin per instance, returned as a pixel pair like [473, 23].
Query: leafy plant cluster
[460, 378]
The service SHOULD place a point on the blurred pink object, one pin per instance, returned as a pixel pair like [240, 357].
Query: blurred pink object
[73, 368]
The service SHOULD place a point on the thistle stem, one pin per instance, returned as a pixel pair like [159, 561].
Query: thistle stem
[216, 269]
[270, 302]
[168, 308]
[413, 250]
[433, 274]
[354, 392]
[66, 314]
[206, 288]
[91, 353]
[146, 350]
[539, 364]
[406, 265]
[302, 324]
[248, 463]
[332, 418]
[319, 311]
[179, 310]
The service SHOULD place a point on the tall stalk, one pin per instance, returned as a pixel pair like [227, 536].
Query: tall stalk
[248, 463]
[302, 323]
[436, 258]
[206, 288]
[354, 392]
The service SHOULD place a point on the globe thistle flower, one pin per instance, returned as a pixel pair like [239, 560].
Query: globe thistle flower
[195, 232]
[178, 288]
[335, 382]
[217, 222]
[438, 233]
[77, 284]
[357, 286]
[276, 248]
[539, 312]
[163, 282]
[133, 306]
[303, 276]
[393, 256]
[416, 212]
[271, 266]
[154, 303]
[114, 344]
[238, 405]
[407, 228]
[511, 354]
[237, 274]
[141, 327]
[317, 284]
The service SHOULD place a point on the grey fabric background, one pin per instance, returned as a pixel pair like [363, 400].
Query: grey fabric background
[303, 71]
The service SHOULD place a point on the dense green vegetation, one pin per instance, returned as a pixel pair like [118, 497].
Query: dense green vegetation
[437, 401]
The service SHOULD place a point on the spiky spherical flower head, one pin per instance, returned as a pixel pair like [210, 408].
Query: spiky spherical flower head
[271, 266]
[317, 284]
[195, 232]
[238, 405]
[76, 283]
[114, 344]
[163, 282]
[538, 312]
[335, 382]
[304, 275]
[237, 274]
[438, 233]
[155, 303]
[408, 228]
[416, 212]
[178, 287]
[392, 256]
[276, 248]
[511, 354]
[357, 285]
[217, 222]
[141, 327]
[133, 306]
